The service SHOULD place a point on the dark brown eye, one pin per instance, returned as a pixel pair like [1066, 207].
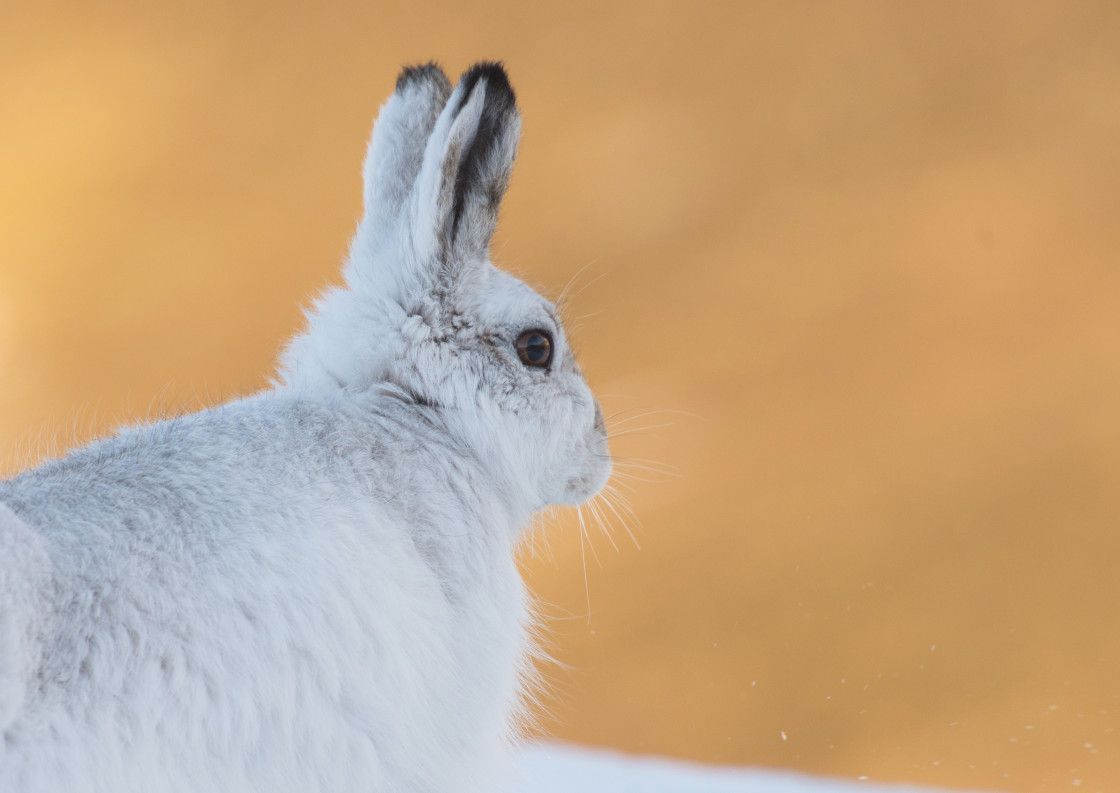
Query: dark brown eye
[534, 348]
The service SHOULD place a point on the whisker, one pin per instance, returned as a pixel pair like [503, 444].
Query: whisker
[648, 463]
[623, 417]
[621, 412]
[583, 560]
[612, 433]
[564, 292]
[622, 479]
[647, 479]
[603, 523]
[565, 296]
[591, 545]
[648, 411]
[577, 321]
[621, 519]
[629, 467]
[622, 501]
[534, 527]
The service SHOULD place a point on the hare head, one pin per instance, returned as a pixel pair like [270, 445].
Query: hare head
[425, 317]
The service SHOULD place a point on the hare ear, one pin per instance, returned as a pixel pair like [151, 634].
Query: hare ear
[467, 165]
[396, 147]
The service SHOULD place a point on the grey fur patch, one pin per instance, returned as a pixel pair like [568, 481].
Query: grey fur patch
[429, 72]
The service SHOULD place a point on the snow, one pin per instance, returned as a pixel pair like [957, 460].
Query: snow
[557, 768]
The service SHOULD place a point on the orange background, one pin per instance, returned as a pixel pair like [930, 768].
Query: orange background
[864, 255]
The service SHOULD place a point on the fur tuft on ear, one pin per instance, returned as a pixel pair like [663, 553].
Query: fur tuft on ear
[429, 72]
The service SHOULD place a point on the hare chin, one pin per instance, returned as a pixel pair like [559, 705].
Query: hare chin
[586, 485]
[583, 489]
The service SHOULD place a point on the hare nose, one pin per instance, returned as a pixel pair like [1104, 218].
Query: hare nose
[600, 424]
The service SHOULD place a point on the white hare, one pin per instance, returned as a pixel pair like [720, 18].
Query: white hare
[312, 588]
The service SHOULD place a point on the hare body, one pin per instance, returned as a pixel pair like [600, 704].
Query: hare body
[313, 588]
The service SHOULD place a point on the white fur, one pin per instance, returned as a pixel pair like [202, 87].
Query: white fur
[312, 588]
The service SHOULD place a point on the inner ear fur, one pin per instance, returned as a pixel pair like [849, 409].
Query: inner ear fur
[483, 127]
[485, 168]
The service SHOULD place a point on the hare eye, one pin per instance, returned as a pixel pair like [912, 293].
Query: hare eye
[534, 348]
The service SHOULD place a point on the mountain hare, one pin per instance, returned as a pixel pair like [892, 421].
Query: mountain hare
[312, 588]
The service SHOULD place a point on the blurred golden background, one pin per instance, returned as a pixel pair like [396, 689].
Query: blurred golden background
[862, 256]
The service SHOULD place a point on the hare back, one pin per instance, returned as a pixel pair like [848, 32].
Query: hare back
[271, 595]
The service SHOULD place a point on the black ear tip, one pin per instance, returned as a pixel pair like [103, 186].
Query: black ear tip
[498, 88]
[429, 72]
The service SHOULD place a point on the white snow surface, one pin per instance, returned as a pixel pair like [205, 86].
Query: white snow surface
[558, 768]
